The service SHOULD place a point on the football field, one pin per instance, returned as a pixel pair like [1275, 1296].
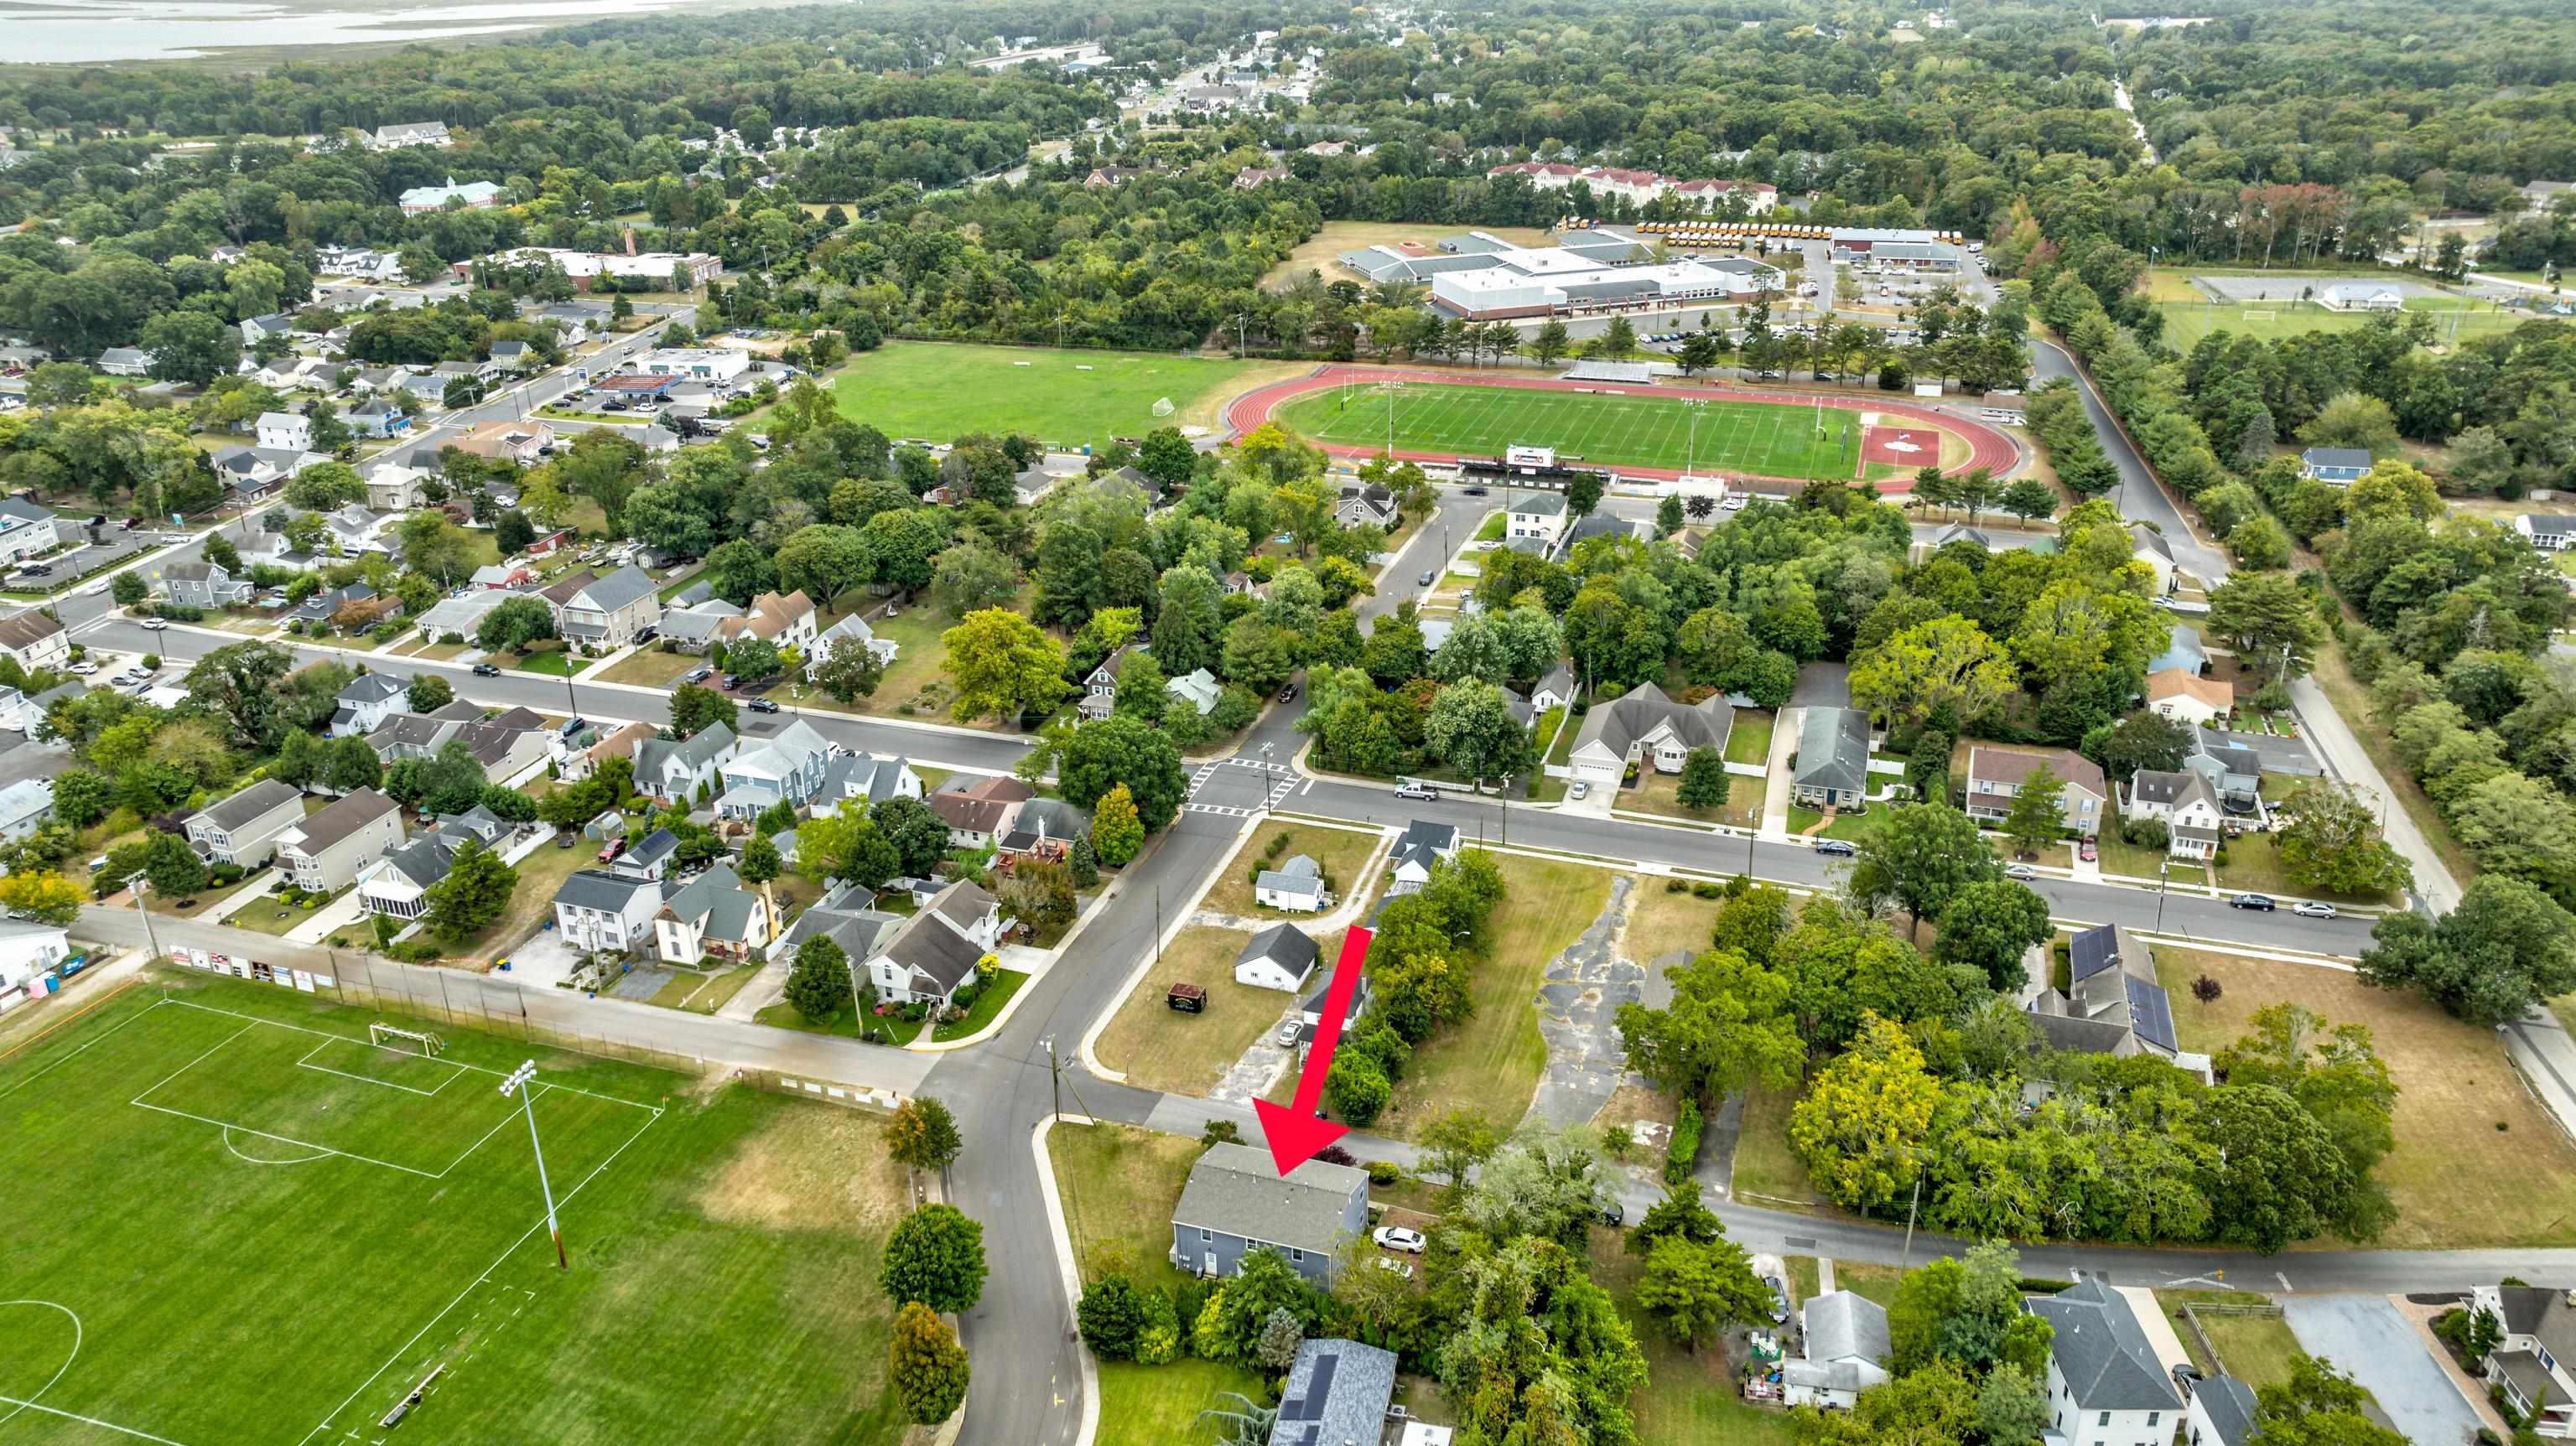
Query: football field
[235, 1218]
[1763, 438]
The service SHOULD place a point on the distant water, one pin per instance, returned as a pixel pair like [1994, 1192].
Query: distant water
[60, 31]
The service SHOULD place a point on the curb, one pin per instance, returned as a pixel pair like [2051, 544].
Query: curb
[993, 1025]
[1145, 963]
[1068, 1270]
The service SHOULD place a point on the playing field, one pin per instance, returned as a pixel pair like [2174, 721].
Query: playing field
[234, 1219]
[1762, 438]
[940, 390]
[2186, 322]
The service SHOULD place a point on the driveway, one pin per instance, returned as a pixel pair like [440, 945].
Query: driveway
[2279, 754]
[1823, 685]
[2366, 1336]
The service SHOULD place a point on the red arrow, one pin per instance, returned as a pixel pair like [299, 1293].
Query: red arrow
[1294, 1133]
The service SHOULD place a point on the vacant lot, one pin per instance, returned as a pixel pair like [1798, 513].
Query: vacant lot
[1336, 237]
[1758, 437]
[1766, 1172]
[2477, 1162]
[286, 1191]
[1160, 1048]
[940, 391]
[652, 668]
[2254, 1349]
[1342, 852]
[1686, 1398]
[1119, 1184]
[1491, 1060]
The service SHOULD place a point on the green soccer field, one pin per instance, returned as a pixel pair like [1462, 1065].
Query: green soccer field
[942, 390]
[235, 1219]
[2186, 322]
[1758, 437]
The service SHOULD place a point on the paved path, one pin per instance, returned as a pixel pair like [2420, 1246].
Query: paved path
[1578, 1003]
[1775, 784]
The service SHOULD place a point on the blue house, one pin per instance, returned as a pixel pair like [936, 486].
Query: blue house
[1237, 1202]
[379, 416]
[2335, 466]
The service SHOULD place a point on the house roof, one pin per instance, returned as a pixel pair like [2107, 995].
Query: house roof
[2147, 539]
[614, 592]
[374, 688]
[1840, 1324]
[1049, 818]
[1833, 748]
[1285, 945]
[2179, 683]
[2353, 457]
[1337, 1393]
[2182, 650]
[2175, 790]
[249, 804]
[770, 615]
[1623, 722]
[933, 943]
[1299, 875]
[2224, 758]
[26, 629]
[1238, 1189]
[694, 752]
[607, 892]
[1559, 680]
[2102, 1352]
[324, 831]
[1422, 843]
[2229, 1405]
[2549, 524]
[657, 846]
[1536, 504]
[2014, 766]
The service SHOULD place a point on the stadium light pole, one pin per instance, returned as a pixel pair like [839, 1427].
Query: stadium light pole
[1391, 389]
[1690, 449]
[517, 1084]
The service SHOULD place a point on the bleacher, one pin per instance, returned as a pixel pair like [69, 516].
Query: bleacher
[1635, 374]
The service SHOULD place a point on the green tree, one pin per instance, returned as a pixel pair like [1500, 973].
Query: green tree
[922, 1134]
[1921, 856]
[1705, 782]
[818, 985]
[1551, 342]
[514, 625]
[2504, 949]
[1988, 926]
[847, 671]
[351, 764]
[1111, 1315]
[43, 895]
[1948, 662]
[694, 707]
[428, 693]
[935, 1256]
[245, 684]
[754, 659]
[1117, 833]
[2281, 1177]
[1668, 516]
[172, 867]
[919, 835]
[2330, 841]
[2352, 419]
[2029, 499]
[1003, 666]
[189, 347]
[474, 893]
[2037, 816]
[128, 588]
[739, 571]
[1458, 1141]
[926, 1368]
[1128, 754]
[2270, 620]
[1861, 1128]
[1729, 1026]
[1695, 1291]
[1471, 727]
[972, 575]
[2317, 1406]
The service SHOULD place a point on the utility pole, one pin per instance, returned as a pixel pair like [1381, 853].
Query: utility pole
[141, 888]
[517, 1084]
[1907, 1260]
[1055, 1075]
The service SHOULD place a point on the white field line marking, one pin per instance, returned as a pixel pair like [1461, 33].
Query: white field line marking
[306, 1063]
[282, 1139]
[352, 1039]
[78, 1334]
[67, 1058]
[86, 1420]
[183, 1069]
[256, 1160]
[477, 1282]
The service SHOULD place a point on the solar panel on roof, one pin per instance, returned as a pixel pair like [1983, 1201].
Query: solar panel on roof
[1319, 1389]
[2091, 951]
[2151, 1014]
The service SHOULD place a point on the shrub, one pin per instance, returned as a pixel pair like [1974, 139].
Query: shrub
[2147, 833]
[1707, 889]
[1683, 1151]
[1676, 886]
[1385, 1172]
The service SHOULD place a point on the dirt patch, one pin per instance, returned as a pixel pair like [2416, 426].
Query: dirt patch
[813, 1168]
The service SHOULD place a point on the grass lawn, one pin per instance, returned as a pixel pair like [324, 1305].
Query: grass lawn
[1162, 1403]
[1492, 528]
[2118, 856]
[2186, 322]
[2477, 1163]
[270, 915]
[2254, 862]
[541, 873]
[1873, 1282]
[1555, 725]
[720, 1212]
[915, 676]
[1490, 1061]
[1119, 1184]
[940, 390]
[651, 668]
[1750, 740]
[431, 652]
[2254, 1349]
[1854, 827]
[1160, 1048]
[1774, 441]
[844, 1023]
[1661, 793]
[987, 1006]
[557, 664]
[1661, 922]
[1342, 852]
[1686, 1398]
[1766, 1173]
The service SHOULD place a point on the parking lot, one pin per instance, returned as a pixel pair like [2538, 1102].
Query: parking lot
[114, 547]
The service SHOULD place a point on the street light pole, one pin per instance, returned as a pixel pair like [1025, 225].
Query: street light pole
[517, 1084]
[142, 887]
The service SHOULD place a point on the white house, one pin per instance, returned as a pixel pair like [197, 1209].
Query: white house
[35, 641]
[2186, 697]
[1646, 728]
[2361, 296]
[2550, 532]
[681, 772]
[1297, 884]
[28, 948]
[365, 704]
[2184, 802]
[938, 948]
[26, 530]
[125, 361]
[2107, 1383]
[286, 430]
[1198, 688]
[855, 629]
[1279, 957]
[1537, 515]
[1556, 690]
[25, 806]
[2532, 1359]
[243, 829]
[2221, 1413]
[1421, 845]
[714, 916]
[408, 133]
[2149, 546]
[1845, 1351]
[607, 911]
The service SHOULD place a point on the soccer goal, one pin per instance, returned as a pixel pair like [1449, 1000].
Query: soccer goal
[1163, 406]
[394, 1036]
[2262, 315]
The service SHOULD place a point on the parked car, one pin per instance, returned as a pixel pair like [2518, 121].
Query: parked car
[1288, 693]
[2021, 871]
[2262, 903]
[487, 670]
[1735, 502]
[1429, 576]
[1397, 1237]
[762, 705]
[1779, 1300]
[96, 589]
[1471, 491]
[154, 625]
[565, 840]
[172, 539]
[1614, 1214]
[615, 847]
[697, 675]
[1288, 1032]
[2086, 851]
[1834, 848]
[82, 670]
[2313, 909]
[1421, 791]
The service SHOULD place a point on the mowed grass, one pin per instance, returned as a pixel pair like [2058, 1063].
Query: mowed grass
[2186, 322]
[231, 1178]
[2255, 1349]
[1764, 438]
[941, 390]
[1161, 1048]
[1342, 852]
[2476, 1164]
[1490, 1061]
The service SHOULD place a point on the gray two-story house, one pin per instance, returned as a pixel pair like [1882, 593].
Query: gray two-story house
[605, 612]
[676, 772]
[324, 853]
[204, 585]
[786, 768]
[243, 828]
[1237, 1202]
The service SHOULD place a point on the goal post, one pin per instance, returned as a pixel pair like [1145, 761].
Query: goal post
[2262, 316]
[1163, 406]
[407, 1041]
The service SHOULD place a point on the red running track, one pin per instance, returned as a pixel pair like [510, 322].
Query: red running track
[1987, 447]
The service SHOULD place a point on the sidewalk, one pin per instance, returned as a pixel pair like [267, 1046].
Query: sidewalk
[2546, 1058]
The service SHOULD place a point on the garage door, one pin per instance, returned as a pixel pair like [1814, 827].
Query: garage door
[1595, 772]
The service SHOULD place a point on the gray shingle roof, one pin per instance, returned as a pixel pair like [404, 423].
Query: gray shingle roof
[249, 804]
[1290, 947]
[618, 589]
[1423, 841]
[375, 688]
[1620, 723]
[1337, 1392]
[1833, 748]
[1840, 1323]
[2102, 1352]
[598, 889]
[1537, 504]
[325, 829]
[2229, 1404]
[1237, 1189]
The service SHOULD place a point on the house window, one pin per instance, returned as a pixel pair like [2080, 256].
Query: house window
[2105, 1421]
[1298, 1256]
[1207, 1237]
[2151, 1418]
